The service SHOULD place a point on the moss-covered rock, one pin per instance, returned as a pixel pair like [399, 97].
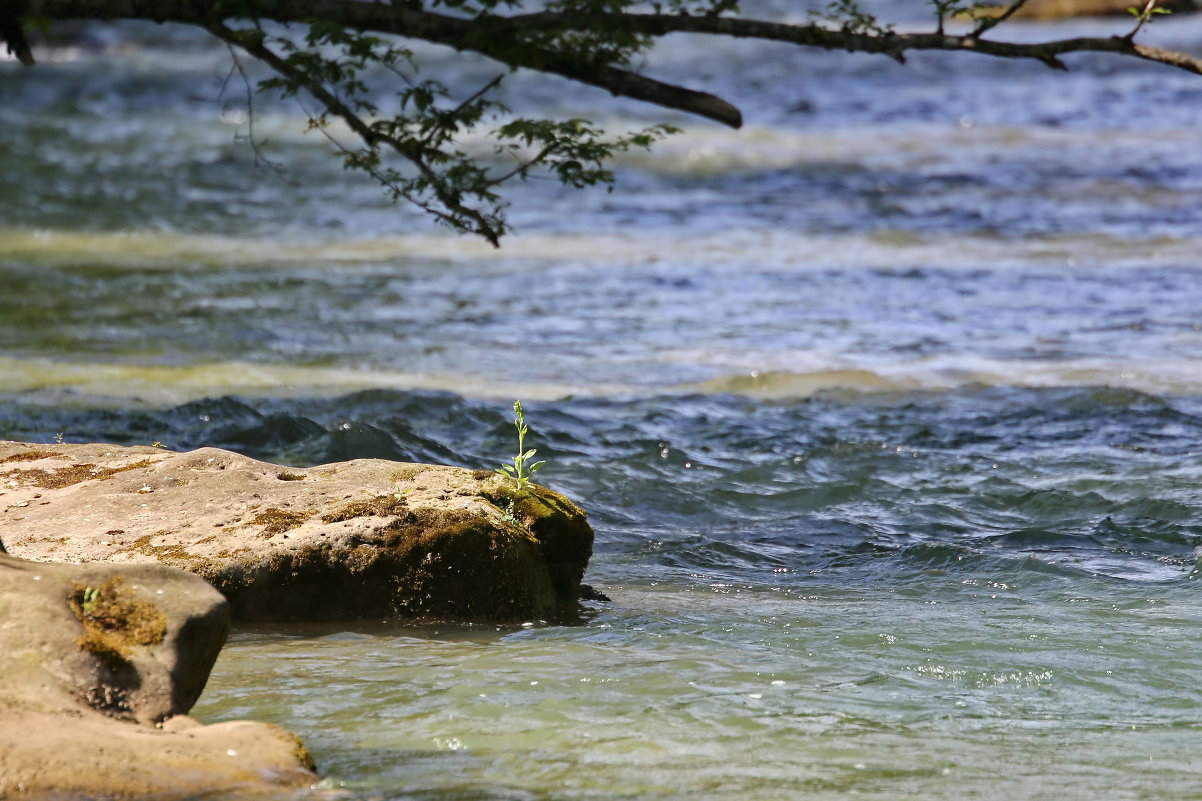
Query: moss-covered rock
[560, 526]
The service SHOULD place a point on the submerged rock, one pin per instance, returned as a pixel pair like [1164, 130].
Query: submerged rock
[100, 664]
[354, 539]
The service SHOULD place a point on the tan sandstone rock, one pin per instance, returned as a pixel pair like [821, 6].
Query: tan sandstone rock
[354, 539]
[92, 658]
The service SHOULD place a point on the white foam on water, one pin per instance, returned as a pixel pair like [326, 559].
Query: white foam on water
[173, 384]
[945, 373]
[157, 385]
[766, 249]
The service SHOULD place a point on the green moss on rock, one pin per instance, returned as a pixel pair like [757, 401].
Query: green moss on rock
[115, 618]
[463, 565]
[379, 506]
[560, 526]
[32, 456]
[73, 474]
[424, 564]
[277, 521]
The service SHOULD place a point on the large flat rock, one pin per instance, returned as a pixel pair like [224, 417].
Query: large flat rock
[366, 538]
[100, 663]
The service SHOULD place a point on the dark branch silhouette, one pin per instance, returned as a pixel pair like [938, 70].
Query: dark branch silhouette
[506, 38]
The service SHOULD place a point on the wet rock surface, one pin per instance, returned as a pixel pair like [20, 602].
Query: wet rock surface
[366, 538]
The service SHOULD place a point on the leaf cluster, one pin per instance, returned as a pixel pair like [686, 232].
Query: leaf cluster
[412, 146]
[850, 18]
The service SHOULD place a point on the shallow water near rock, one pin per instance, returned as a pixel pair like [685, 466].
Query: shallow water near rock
[886, 411]
[927, 594]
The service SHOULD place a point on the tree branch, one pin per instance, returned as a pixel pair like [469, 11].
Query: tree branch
[251, 41]
[11, 33]
[459, 33]
[501, 38]
[589, 47]
[815, 35]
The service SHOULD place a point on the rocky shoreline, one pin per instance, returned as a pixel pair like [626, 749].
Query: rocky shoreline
[121, 569]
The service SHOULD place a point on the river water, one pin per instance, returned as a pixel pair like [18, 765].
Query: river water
[887, 410]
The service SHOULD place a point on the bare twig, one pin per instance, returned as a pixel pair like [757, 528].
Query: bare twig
[252, 140]
[993, 22]
[522, 166]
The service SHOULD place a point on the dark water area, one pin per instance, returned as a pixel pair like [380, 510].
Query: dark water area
[887, 409]
[1082, 481]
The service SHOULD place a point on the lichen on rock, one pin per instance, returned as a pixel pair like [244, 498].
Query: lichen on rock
[59, 477]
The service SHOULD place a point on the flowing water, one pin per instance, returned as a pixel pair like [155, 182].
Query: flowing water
[887, 411]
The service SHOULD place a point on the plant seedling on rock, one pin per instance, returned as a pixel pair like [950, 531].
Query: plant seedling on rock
[520, 471]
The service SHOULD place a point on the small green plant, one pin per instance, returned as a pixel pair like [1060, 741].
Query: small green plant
[1144, 16]
[90, 598]
[521, 471]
